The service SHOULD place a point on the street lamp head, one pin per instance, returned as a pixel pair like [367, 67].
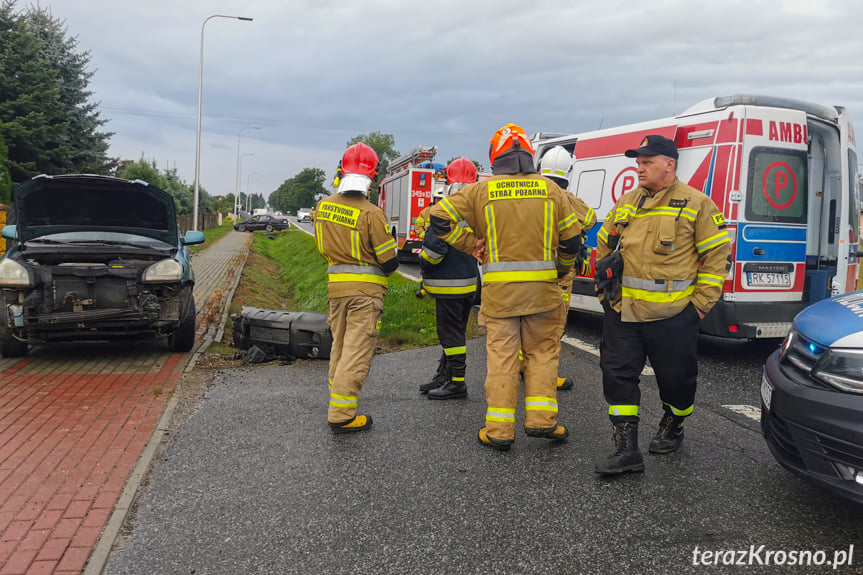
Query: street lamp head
[244, 18]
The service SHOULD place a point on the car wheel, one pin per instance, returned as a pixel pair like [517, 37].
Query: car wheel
[242, 228]
[183, 337]
[9, 346]
[269, 227]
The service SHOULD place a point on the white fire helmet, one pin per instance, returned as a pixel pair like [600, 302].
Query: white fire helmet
[556, 163]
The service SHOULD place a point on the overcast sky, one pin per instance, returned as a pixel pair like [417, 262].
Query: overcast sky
[315, 73]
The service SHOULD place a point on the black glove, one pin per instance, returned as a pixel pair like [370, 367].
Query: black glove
[608, 272]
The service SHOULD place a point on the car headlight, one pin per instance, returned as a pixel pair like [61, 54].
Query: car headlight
[14, 274]
[842, 369]
[164, 271]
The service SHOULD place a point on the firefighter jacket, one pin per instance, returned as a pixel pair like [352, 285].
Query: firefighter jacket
[353, 236]
[447, 272]
[421, 223]
[531, 235]
[675, 250]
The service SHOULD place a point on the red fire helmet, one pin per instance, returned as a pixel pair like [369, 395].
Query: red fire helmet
[460, 171]
[360, 159]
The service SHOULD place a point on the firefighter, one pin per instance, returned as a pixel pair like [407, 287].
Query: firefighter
[663, 252]
[556, 165]
[353, 236]
[528, 237]
[450, 277]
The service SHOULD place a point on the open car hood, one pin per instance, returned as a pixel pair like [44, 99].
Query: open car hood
[55, 204]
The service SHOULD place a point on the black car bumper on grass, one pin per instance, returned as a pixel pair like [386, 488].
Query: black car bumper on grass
[812, 430]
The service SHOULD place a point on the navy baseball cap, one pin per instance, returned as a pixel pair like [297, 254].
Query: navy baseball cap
[654, 145]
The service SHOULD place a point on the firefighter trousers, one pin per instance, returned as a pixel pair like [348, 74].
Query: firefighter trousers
[671, 344]
[354, 322]
[452, 315]
[537, 336]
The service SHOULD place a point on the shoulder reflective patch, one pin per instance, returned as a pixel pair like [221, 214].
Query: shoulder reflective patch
[338, 214]
[516, 189]
[677, 203]
[718, 219]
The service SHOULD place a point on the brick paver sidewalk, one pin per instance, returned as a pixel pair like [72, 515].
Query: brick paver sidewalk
[74, 421]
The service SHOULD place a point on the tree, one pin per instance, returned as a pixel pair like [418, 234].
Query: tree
[384, 145]
[299, 191]
[5, 178]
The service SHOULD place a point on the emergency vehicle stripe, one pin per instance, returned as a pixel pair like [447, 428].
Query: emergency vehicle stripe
[540, 404]
[431, 256]
[348, 401]
[455, 350]
[449, 209]
[386, 246]
[491, 233]
[712, 279]
[502, 414]
[622, 410]
[549, 223]
[713, 241]
[655, 285]
[655, 296]
[679, 412]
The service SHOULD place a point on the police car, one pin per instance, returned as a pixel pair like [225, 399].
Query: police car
[812, 396]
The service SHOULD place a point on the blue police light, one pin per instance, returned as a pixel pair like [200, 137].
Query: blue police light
[813, 348]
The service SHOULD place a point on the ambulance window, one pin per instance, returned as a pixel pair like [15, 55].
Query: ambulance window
[853, 207]
[777, 186]
[589, 187]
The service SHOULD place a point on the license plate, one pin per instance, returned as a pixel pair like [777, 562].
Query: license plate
[768, 279]
[766, 392]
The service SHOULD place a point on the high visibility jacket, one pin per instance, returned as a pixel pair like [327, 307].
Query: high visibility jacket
[530, 232]
[421, 223]
[675, 250]
[446, 271]
[353, 236]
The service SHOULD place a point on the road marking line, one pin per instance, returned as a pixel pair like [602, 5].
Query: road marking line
[584, 346]
[746, 410]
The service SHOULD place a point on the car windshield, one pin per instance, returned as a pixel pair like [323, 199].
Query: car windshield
[105, 238]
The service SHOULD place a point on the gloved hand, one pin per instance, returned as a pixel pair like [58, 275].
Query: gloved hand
[607, 276]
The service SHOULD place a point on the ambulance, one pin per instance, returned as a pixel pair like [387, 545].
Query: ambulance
[405, 191]
[784, 174]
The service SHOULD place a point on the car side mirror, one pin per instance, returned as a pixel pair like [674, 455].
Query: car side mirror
[10, 232]
[191, 238]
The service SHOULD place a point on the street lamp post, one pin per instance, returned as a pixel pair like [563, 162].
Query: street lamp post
[239, 170]
[198, 131]
[249, 190]
[237, 186]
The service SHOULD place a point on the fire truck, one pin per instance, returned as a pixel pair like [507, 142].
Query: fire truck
[405, 191]
[784, 174]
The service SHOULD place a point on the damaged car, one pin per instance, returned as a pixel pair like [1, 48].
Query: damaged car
[94, 258]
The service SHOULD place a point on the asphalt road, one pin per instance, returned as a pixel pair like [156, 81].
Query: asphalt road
[254, 482]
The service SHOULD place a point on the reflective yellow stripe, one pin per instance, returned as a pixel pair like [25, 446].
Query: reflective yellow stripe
[424, 255]
[457, 378]
[455, 350]
[540, 404]
[449, 209]
[390, 245]
[679, 412]
[567, 222]
[712, 241]
[565, 261]
[523, 276]
[367, 278]
[450, 290]
[549, 222]
[602, 234]
[491, 233]
[454, 235]
[687, 213]
[502, 414]
[348, 401]
[706, 278]
[590, 218]
[655, 296]
[623, 410]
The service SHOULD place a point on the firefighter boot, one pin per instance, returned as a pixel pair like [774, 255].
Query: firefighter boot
[564, 383]
[358, 423]
[670, 434]
[625, 457]
[556, 433]
[440, 376]
[498, 444]
[454, 388]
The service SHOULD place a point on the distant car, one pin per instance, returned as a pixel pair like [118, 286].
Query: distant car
[94, 258]
[263, 222]
[304, 215]
[812, 396]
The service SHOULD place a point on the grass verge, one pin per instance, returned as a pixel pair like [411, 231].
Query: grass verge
[285, 271]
